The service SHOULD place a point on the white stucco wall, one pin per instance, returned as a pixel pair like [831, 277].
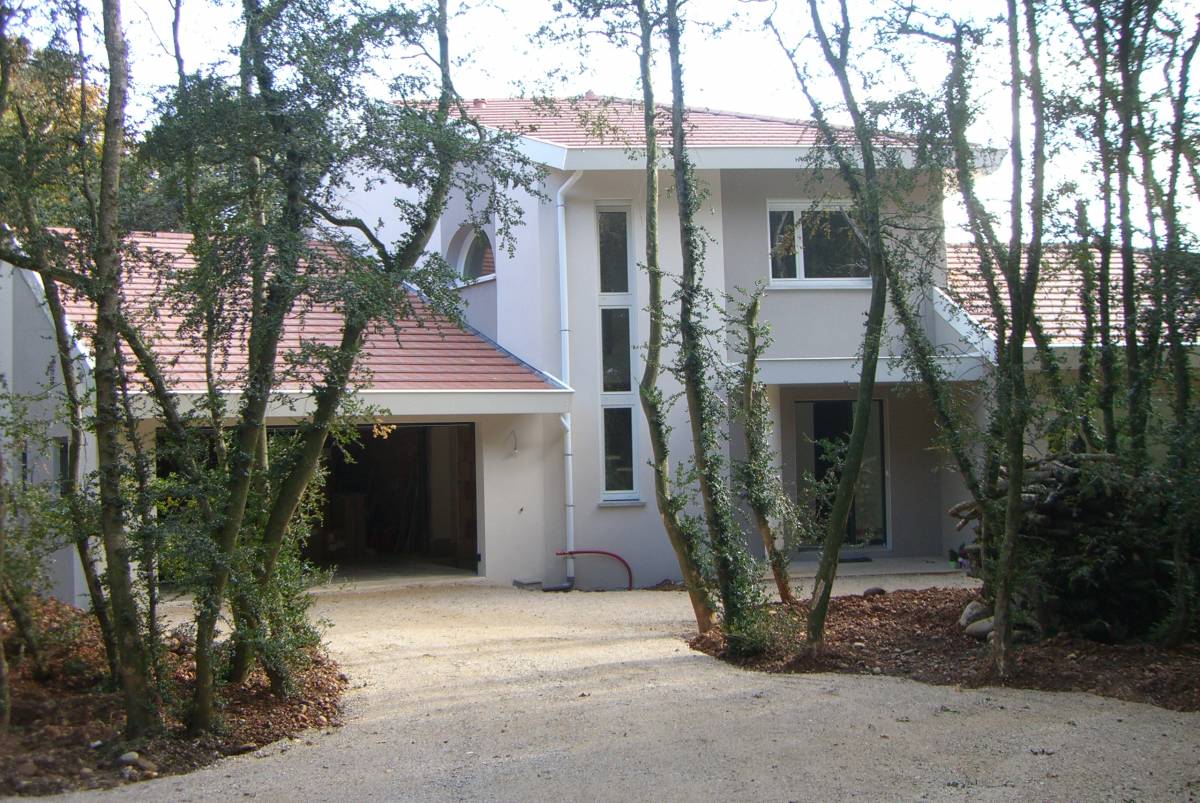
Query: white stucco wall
[29, 364]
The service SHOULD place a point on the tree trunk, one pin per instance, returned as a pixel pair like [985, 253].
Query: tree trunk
[332, 391]
[865, 187]
[763, 490]
[650, 394]
[140, 708]
[5, 691]
[735, 578]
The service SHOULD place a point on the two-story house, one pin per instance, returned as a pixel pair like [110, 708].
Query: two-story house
[571, 300]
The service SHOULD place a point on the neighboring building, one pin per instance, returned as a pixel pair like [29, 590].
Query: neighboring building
[29, 368]
[475, 475]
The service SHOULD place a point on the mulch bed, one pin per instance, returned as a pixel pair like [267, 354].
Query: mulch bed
[915, 634]
[66, 731]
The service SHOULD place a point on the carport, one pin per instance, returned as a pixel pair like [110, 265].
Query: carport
[402, 494]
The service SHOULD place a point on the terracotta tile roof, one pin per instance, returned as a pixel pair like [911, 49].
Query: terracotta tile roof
[1057, 302]
[427, 352]
[592, 122]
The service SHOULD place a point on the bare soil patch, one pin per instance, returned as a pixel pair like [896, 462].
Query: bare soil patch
[915, 634]
[66, 730]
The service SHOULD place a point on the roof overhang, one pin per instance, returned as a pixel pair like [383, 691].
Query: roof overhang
[845, 370]
[704, 157]
[297, 403]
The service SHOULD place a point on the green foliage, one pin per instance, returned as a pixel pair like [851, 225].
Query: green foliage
[1103, 565]
[36, 518]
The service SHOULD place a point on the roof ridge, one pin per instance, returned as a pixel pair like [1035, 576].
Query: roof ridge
[601, 99]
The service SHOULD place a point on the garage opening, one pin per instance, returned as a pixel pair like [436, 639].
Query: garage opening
[403, 496]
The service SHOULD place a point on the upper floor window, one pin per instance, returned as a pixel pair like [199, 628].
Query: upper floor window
[814, 245]
[478, 260]
[613, 226]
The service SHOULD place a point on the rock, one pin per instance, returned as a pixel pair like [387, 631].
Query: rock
[974, 611]
[26, 767]
[240, 749]
[129, 773]
[873, 591]
[145, 765]
[1023, 635]
[980, 628]
[128, 759]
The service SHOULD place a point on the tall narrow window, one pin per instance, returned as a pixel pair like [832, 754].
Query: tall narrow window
[63, 459]
[618, 449]
[613, 225]
[616, 320]
[614, 341]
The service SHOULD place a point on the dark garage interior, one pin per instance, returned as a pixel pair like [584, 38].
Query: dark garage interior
[403, 495]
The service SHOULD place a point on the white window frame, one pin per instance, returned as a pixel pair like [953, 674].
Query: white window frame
[801, 282]
[468, 233]
[618, 399]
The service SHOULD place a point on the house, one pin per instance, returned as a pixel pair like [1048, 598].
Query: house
[522, 436]
[570, 300]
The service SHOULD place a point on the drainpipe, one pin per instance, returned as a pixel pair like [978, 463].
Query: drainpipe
[564, 333]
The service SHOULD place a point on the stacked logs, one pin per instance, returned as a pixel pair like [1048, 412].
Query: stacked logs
[1093, 550]
[1052, 497]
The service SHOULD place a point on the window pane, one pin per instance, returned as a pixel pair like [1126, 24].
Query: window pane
[618, 448]
[480, 261]
[783, 243]
[614, 338]
[831, 250]
[822, 423]
[614, 252]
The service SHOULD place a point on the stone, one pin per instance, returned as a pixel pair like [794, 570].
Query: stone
[980, 629]
[26, 767]
[129, 773]
[974, 611]
[873, 591]
[1024, 635]
[128, 759]
[145, 765]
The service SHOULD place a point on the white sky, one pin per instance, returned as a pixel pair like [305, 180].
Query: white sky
[742, 69]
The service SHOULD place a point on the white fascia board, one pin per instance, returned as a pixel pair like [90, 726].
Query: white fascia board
[709, 158]
[542, 152]
[968, 327]
[712, 157]
[297, 403]
[745, 157]
[845, 370]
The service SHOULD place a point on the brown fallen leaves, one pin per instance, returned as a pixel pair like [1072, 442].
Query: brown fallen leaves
[915, 634]
[65, 733]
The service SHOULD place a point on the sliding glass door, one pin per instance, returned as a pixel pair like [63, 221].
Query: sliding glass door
[823, 425]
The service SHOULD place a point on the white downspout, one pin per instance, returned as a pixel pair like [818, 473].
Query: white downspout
[564, 333]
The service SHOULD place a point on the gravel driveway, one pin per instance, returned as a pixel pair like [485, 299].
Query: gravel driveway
[465, 690]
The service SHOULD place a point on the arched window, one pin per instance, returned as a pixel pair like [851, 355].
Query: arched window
[478, 259]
